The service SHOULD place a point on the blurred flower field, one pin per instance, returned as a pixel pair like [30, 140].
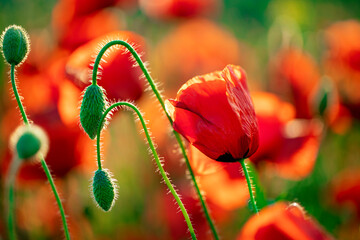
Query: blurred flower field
[274, 82]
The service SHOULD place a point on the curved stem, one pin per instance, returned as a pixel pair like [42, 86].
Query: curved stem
[248, 180]
[152, 147]
[12, 75]
[161, 101]
[43, 163]
[14, 167]
[53, 187]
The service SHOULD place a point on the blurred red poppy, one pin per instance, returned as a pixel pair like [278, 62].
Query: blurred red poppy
[342, 61]
[296, 77]
[178, 57]
[166, 9]
[346, 189]
[70, 9]
[41, 92]
[282, 221]
[287, 144]
[80, 30]
[118, 76]
[214, 112]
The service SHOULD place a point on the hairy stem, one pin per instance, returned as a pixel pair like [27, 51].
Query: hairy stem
[53, 187]
[18, 100]
[249, 183]
[161, 101]
[153, 150]
[43, 163]
[14, 168]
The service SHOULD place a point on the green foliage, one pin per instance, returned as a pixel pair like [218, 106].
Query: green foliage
[92, 108]
[104, 189]
[15, 44]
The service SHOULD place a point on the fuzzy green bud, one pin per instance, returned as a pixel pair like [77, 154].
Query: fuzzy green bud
[15, 44]
[29, 142]
[92, 108]
[104, 189]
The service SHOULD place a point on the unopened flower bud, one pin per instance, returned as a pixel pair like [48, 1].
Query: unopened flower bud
[15, 44]
[29, 142]
[104, 189]
[92, 108]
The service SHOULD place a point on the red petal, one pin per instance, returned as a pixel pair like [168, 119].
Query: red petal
[284, 222]
[240, 100]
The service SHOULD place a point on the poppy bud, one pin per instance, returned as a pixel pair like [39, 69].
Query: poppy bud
[15, 44]
[29, 142]
[92, 108]
[104, 189]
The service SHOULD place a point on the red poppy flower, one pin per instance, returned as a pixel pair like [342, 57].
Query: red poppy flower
[75, 32]
[282, 221]
[342, 61]
[118, 76]
[178, 8]
[214, 112]
[287, 144]
[296, 76]
[346, 189]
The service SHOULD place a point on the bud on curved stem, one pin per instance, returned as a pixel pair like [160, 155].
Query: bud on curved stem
[162, 103]
[15, 44]
[92, 107]
[15, 48]
[157, 159]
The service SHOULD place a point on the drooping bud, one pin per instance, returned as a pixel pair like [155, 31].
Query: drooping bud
[104, 189]
[92, 108]
[15, 44]
[29, 142]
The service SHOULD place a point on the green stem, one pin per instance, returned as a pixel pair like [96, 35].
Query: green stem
[152, 147]
[43, 163]
[12, 75]
[248, 180]
[161, 101]
[203, 203]
[53, 187]
[14, 167]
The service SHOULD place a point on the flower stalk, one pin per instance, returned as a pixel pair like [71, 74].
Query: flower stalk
[162, 103]
[44, 165]
[250, 187]
[156, 156]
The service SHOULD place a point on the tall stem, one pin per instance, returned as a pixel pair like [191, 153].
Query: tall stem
[161, 101]
[18, 100]
[248, 180]
[43, 163]
[14, 167]
[53, 187]
[153, 150]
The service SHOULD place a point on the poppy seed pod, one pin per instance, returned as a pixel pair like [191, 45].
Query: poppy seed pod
[92, 108]
[104, 189]
[15, 44]
[215, 113]
[29, 142]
